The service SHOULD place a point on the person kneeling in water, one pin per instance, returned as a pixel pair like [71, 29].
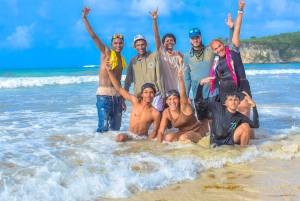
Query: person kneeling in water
[181, 115]
[143, 114]
[230, 126]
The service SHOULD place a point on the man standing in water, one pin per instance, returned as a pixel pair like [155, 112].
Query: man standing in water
[109, 101]
[145, 67]
[143, 114]
[199, 61]
[170, 59]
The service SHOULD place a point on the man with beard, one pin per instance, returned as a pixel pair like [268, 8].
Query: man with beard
[109, 100]
[199, 61]
[145, 67]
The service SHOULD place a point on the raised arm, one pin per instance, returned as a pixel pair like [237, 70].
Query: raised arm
[238, 24]
[117, 84]
[230, 24]
[129, 77]
[255, 120]
[154, 16]
[187, 76]
[184, 102]
[100, 45]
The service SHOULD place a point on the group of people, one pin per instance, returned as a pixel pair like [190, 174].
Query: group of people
[162, 83]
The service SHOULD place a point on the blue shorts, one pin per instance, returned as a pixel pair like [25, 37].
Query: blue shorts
[109, 112]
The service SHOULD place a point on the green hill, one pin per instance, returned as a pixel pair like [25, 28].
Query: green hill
[287, 44]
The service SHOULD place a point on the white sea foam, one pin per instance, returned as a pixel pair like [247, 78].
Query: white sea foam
[42, 81]
[50, 150]
[273, 72]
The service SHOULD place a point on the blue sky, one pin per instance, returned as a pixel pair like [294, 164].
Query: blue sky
[50, 33]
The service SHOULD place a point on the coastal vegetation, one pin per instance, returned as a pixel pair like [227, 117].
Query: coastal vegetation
[287, 45]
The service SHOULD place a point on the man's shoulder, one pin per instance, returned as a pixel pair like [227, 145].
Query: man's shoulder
[207, 48]
[151, 54]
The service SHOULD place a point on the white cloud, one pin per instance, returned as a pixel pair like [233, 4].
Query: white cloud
[21, 38]
[142, 7]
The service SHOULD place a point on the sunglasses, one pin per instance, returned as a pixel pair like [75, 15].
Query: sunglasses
[194, 30]
[172, 92]
[117, 36]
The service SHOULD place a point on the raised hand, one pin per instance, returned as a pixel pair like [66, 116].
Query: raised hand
[154, 14]
[241, 5]
[181, 70]
[229, 21]
[249, 99]
[207, 80]
[85, 11]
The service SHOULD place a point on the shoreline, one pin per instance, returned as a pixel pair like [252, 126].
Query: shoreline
[263, 179]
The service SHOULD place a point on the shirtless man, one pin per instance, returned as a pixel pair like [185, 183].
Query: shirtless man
[109, 101]
[143, 114]
[230, 126]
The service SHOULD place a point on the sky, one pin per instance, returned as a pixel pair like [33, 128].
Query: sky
[51, 33]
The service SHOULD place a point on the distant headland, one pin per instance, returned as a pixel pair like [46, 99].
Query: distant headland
[280, 48]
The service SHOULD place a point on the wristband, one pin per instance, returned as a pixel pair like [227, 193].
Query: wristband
[240, 11]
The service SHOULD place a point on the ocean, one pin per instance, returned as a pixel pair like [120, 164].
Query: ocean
[50, 149]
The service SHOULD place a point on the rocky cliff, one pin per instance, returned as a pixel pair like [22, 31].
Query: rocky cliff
[255, 53]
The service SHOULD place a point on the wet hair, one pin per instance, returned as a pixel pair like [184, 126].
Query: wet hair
[169, 35]
[233, 95]
[215, 40]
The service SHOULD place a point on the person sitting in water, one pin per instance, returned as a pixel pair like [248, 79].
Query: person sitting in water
[143, 114]
[230, 126]
[181, 115]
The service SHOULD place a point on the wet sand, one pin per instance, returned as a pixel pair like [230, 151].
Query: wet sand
[263, 179]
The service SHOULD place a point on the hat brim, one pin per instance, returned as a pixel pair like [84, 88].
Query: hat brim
[194, 34]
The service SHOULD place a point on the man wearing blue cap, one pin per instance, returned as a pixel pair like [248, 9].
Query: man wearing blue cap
[199, 61]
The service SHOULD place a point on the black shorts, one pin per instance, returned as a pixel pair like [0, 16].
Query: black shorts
[229, 87]
[226, 141]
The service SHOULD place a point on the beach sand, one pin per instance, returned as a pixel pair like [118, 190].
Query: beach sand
[263, 179]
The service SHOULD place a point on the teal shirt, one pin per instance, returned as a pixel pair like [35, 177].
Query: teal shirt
[196, 70]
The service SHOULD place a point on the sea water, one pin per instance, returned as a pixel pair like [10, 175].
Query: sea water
[50, 149]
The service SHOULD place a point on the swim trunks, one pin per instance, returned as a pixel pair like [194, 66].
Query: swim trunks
[108, 91]
[133, 136]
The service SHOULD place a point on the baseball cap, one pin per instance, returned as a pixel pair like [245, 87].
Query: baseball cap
[139, 37]
[194, 32]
